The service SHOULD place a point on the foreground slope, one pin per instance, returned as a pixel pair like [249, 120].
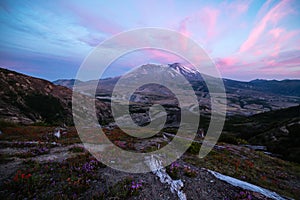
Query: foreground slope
[28, 100]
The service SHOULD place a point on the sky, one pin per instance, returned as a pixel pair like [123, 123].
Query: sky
[247, 40]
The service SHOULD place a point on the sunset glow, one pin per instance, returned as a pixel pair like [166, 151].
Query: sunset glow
[246, 39]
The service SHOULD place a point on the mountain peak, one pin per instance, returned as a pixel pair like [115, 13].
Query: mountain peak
[189, 73]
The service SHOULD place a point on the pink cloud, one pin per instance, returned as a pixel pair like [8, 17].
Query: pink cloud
[270, 69]
[183, 26]
[286, 60]
[285, 64]
[227, 62]
[184, 30]
[272, 17]
[162, 56]
[209, 18]
[276, 32]
[211, 23]
[204, 20]
[277, 40]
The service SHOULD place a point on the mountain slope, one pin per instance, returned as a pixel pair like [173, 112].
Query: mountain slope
[65, 82]
[284, 87]
[277, 130]
[243, 98]
[189, 74]
[26, 100]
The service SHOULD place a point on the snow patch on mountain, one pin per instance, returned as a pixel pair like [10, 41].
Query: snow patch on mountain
[246, 186]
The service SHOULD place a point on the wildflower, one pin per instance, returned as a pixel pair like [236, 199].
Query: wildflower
[121, 144]
[264, 178]
[133, 186]
[28, 176]
[136, 185]
[16, 178]
[189, 172]
[174, 165]
[53, 182]
[243, 195]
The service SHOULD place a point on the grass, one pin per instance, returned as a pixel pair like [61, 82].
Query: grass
[74, 175]
[69, 179]
[38, 133]
[5, 158]
[254, 167]
[5, 124]
[33, 152]
[78, 173]
[77, 149]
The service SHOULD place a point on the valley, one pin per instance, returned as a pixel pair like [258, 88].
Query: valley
[36, 163]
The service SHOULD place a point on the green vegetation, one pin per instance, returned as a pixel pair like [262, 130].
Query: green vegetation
[231, 139]
[5, 124]
[125, 188]
[251, 166]
[277, 130]
[77, 149]
[194, 148]
[49, 107]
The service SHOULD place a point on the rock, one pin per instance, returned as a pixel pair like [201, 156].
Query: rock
[57, 134]
[155, 164]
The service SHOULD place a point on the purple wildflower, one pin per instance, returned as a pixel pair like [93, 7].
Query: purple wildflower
[136, 185]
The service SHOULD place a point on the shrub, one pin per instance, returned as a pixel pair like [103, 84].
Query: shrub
[230, 139]
[50, 108]
[77, 149]
[189, 172]
[173, 170]
[4, 124]
[126, 188]
[194, 148]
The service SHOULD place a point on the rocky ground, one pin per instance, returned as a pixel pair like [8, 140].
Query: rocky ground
[34, 164]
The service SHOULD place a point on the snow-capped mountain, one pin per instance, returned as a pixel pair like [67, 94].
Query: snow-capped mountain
[243, 98]
[188, 73]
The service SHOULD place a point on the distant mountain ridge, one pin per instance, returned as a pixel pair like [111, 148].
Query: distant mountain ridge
[66, 82]
[284, 87]
[27, 100]
[244, 98]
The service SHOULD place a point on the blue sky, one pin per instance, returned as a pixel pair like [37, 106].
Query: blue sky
[246, 39]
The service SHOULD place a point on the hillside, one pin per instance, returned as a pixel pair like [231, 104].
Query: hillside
[284, 87]
[28, 100]
[32, 158]
[65, 82]
[243, 98]
[277, 130]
